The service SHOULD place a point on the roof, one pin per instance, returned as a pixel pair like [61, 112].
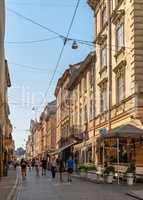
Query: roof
[125, 131]
[83, 66]
[61, 80]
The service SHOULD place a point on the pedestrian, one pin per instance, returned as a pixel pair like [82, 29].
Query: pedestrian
[53, 167]
[33, 163]
[70, 168]
[30, 165]
[61, 169]
[23, 165]
[44, 166]
[37, 166]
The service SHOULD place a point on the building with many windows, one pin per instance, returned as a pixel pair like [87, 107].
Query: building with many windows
[42, 140]
[105, 92]
[119, 80]
[5, 125]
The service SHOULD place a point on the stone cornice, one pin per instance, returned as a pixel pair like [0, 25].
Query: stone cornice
[93, 3]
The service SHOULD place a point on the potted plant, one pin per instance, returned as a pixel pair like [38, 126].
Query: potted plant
[91, 171]
[109, 174]
[130, 174]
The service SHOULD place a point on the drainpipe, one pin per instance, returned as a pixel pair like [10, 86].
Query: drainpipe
[94, 105]
[109, 50]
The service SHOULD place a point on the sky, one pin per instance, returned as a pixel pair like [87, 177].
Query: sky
[31, 63]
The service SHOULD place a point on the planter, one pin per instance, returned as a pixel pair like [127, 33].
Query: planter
[109, 177]
[83, 174]
[91, 175]
[130, 179]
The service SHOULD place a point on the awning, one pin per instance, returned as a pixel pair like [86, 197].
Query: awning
[63, 148]
[125, 131]
[67, 146]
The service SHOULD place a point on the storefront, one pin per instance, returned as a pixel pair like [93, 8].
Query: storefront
[121, 147]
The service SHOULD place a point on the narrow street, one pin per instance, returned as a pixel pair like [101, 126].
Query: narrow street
[45, 188]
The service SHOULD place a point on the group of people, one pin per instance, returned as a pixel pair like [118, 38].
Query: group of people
[53, 164]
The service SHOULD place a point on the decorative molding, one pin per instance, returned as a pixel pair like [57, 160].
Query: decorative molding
[117, 15]
[122, 50]
[103, 69]
[100, 39]
[123, 63]
[103, 81]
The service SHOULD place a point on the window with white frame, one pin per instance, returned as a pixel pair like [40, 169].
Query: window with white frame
[103, 56]
[103, 97]
[120, 85]
[119, 36]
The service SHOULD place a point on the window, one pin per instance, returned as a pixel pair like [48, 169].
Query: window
[91, 74]
[119, 36]
[103, 17]
[120, 78]
[85, 83]
[85, 113]
[80, 117]
[80, 88]
[103, 97]
[103, 56]
[91, 109]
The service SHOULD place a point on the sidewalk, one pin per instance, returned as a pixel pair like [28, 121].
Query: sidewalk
[7, 184]
[137, 194]
[134, 191]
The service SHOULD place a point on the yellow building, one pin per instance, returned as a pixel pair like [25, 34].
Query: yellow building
[82, 108]
[42, 141]
[2, 66]
[5, 125]
[119, 79]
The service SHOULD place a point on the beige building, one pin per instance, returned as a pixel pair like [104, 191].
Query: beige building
[42, 140]
[82, 108]
[105, 94]
[119, 79]
[5, 125]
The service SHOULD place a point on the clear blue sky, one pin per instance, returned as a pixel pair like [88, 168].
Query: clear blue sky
[28, 83]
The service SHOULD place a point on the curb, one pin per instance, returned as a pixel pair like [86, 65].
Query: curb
[134, 196]
[12, 195]
[87, 179]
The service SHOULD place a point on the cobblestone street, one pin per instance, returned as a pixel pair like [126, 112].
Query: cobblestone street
[45, 188]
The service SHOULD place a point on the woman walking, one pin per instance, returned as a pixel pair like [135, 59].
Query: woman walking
[37, 167]
[23, 165]
[61, 169]
[53, 167]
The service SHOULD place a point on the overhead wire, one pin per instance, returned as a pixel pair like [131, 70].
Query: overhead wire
[29, 67]
[31, 41]
[62, 50]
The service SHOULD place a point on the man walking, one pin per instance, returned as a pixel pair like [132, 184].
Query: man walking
[44, 166]
[70, 168]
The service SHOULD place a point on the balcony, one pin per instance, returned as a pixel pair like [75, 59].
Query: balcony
[93, 3]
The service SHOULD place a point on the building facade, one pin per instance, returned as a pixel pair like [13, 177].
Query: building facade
[105, 94]
[42, 140]
[82, 109]
[5, 125]
[119, 80]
